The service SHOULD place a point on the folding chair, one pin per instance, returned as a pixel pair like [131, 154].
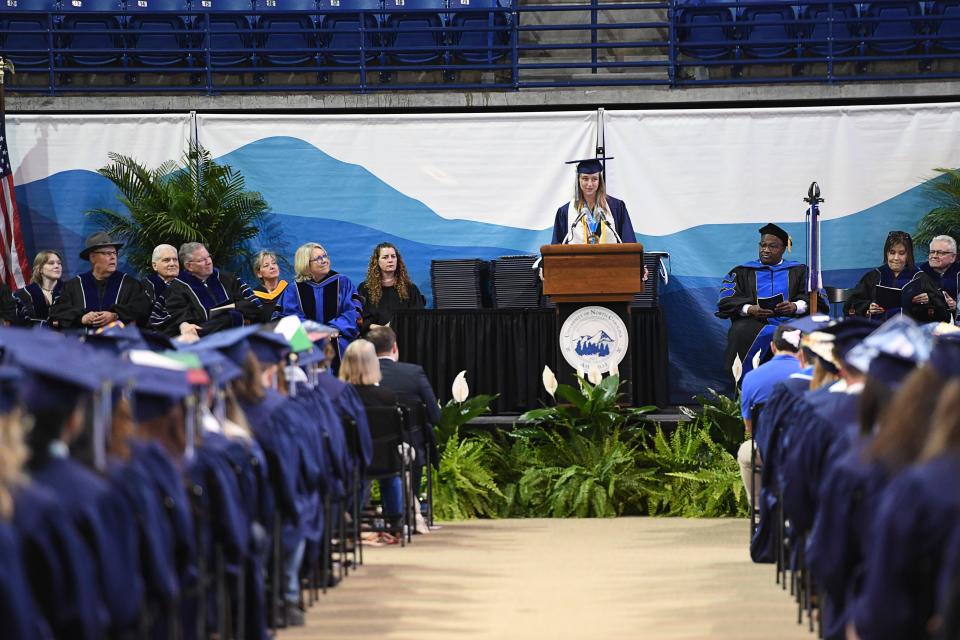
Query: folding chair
[387, 430]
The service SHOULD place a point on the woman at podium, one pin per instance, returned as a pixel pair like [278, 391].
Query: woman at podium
[592, 216]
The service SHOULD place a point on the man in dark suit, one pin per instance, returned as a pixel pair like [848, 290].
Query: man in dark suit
[410, 383]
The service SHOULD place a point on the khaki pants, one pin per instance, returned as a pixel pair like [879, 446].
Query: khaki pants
[743, 458]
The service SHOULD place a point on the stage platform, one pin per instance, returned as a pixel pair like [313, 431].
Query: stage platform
[504, 351]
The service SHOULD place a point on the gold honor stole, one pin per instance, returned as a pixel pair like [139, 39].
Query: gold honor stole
[271, 295]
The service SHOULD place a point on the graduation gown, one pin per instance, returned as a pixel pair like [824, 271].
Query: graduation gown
[333, 301]
[17, 610]
[270, 300]
[32, 307]
[190, 300]
[915, 520]
[156, 289]
[948, 281]
[621, 222]
[382, 312]
[8, 306]
[347, 401]
[744, 285]
[123, 295]
[865, 292]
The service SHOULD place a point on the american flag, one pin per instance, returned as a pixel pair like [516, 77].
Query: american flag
[14, 268]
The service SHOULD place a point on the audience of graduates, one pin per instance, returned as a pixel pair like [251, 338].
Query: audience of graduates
[922, 300]
[387, 287]
[35, 299]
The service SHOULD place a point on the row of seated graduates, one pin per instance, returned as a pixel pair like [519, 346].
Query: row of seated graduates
[859, 480]
[279, 33]
[183, 502]
[721, 29]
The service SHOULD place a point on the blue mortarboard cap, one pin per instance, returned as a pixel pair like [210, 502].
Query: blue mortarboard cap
[312, 356]
[221, 368]
[900, 336]
[231, 343]
[116, 339]
[55, 378]
[945, 355]
[269, 347]
[850, 332]
[9, 388]
[156, 341]
[157, 390]
[890, 369]
[811, 323]
[589, 165]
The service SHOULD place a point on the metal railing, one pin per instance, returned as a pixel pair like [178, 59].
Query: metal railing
[464, 47]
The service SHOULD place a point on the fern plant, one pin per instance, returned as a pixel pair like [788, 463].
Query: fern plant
[464, 486]
[944, 218]
[196, 201]
[721, 417]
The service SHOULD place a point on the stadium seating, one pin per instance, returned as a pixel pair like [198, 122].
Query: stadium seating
[419, 37]
[705, 31]
[85, 32]
[891, 27]
[479, 37]
[229, 33]
[829, 29]
[351, 30]
[23, 36]
[768, 30]
[946, 25]
[157, 31]
[288, 36]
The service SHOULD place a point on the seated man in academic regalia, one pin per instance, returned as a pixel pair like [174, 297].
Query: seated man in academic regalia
[103, 294]
[204, 299]
[758, 296]
[166, 267]
[943, 269]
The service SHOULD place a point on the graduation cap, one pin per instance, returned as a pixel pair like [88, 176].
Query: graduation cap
[900, 336]
[589, 165]
[116, 339]
[945, 355]
[779, 232]
[268, 347]
[157, 391]
[890, 369]
[9, 388]
[55, 379]
[811, 323]
[221, 368]
[156, 341]
[232, 343]
[841, 336]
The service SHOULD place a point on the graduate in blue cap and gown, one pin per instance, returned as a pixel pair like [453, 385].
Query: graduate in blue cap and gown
[592, 216]
[747, 296]
[918, 513]
[920, 299]
[103, 294]
[323, 295]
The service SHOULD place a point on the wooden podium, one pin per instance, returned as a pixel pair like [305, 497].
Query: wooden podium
[579, 278]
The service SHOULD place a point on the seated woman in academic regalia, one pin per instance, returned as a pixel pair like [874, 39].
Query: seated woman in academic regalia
[35, 299]
[387, 288]
[916, 294]
[271, 287]
[323, 295]
[916, 516]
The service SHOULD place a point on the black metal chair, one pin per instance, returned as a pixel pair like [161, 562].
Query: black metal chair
[388, 433]
[755, 412]
[837, 296]
[419, 435]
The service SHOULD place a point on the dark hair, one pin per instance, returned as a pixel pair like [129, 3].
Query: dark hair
[905, 423]
[383, 339]
[249, 387]
[899, 237]
[780, 342]
[374, 275]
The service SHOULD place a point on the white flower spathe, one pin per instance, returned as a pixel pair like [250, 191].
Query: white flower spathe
[549, 381]
[614, 369]
[594, 375]
[461, 391]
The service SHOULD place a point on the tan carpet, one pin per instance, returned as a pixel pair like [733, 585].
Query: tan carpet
[627, 578]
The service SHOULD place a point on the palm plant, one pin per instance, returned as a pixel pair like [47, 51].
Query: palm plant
[196, 201]
[945, 217]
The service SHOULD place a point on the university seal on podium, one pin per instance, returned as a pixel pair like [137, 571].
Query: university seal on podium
[593, 336]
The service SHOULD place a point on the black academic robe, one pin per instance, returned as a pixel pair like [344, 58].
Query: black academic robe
[190, 300]
[865, 292]
[948, 281]
[122, 294]
[742, 286]
[382, 312]
[270, 300]
[32, 307]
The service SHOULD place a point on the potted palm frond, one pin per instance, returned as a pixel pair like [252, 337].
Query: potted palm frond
[197, 200]
[944, 219]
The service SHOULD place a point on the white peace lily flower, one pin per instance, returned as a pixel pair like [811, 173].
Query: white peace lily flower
[594, 375]
[549, 381]
[737, 368]
[614, 370]
[461, 391]
[580, 373]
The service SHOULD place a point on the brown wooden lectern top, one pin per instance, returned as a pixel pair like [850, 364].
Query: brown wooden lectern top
[592, 272]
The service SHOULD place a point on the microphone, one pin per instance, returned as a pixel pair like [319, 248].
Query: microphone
[813, 194]
[572, 227]
[616, 235]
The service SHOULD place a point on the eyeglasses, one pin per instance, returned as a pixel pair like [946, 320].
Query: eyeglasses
[937, 253]
[201, 260]
[107, 252]
[320, 258]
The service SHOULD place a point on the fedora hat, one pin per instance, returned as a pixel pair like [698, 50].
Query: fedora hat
[96, 241]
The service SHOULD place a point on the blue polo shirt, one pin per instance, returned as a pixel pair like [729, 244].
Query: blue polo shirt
[759, 382]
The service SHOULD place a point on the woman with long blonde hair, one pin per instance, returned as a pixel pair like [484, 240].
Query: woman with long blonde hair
[592, 216]
[35, 299]
[388, 287]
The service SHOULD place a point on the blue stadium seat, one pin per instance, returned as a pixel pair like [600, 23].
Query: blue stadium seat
[343, 19]
[84, 31]
[891, 24]
[945, 24]
[478, 33]
[28, 50]
[705, 31]
[818, 34]
[414, 35]
[293, 33]
[768, 29]
[157, 27]
[229, 32]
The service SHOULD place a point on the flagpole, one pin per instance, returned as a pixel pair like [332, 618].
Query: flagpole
[813, 245]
